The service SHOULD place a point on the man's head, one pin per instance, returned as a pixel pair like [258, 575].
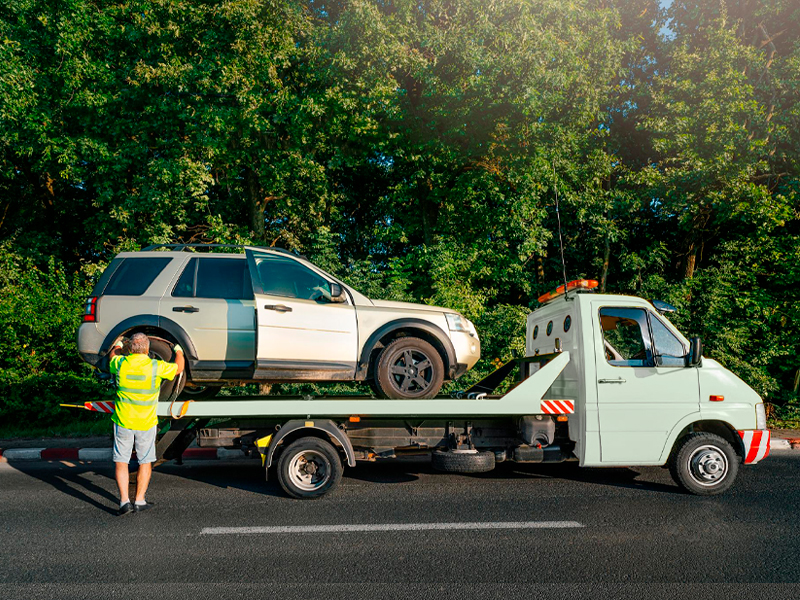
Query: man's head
[140, 344]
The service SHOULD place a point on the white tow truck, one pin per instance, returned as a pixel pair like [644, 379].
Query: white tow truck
[607, 381]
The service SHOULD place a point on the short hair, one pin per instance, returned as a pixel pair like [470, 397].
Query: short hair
[140, 343]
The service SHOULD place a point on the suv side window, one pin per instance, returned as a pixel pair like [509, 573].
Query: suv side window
[134, 276]
[626, 337]
[207, 277]
[283, 276]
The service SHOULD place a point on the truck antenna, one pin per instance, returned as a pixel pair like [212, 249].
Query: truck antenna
[560, 237]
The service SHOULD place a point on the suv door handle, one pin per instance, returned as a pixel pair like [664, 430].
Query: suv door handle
[618, 380]
[185, 309]
[278, 307]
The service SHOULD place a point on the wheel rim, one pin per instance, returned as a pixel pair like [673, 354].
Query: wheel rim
[309, 470]
[412, 372]
[708, 465]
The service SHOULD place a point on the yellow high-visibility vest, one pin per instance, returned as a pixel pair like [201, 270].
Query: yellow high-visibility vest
[138, 385]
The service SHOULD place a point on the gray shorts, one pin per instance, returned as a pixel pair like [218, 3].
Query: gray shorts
[125, 439]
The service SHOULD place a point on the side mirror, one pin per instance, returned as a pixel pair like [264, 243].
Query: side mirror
[695, 351]
[337, 294]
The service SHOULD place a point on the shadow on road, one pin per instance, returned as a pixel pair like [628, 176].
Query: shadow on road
[70, 480]
[405, 471]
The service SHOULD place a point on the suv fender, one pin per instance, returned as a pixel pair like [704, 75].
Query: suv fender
[168, 325]
[441, 338]
[325, 425]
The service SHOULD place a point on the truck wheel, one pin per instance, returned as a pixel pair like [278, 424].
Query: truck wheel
[309, 468]
[409, 368]
[704, 464]
[169, 389]
[451, 461]
[200, 392]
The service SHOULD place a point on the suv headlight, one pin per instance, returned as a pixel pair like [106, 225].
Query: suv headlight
[456, 322]
[761, 416]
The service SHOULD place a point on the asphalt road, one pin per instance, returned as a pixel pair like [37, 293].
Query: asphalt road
[525, 531]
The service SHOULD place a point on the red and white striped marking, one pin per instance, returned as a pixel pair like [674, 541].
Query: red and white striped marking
[756, 445]
[558, 407]
[103, 407]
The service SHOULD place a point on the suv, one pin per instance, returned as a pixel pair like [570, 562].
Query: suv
[270, 316]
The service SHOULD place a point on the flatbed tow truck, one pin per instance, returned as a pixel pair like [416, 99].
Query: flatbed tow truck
[607, 381]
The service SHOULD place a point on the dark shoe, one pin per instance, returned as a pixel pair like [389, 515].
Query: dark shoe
[125, 509]
[141, 507]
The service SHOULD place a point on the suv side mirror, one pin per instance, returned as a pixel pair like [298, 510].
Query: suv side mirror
[695, 351]
[337, 294]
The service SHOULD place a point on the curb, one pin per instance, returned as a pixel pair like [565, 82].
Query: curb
[105, 454]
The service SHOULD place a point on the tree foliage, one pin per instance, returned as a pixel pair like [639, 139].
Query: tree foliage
[415, 149]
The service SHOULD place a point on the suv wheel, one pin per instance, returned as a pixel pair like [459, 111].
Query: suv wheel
[200, 392]
[409, 368]
[162, 350]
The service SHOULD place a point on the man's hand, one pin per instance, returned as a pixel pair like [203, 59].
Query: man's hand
[180, 360]
[117, 349]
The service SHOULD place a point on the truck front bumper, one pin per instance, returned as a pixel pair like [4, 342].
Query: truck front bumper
[755, 445]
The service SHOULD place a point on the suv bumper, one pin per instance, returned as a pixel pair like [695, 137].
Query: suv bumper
[468, 351]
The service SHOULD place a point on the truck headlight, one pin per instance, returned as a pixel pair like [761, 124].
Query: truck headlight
[456, 322]
[761, 416]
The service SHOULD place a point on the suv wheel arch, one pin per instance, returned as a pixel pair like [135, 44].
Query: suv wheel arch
[152, 325]
[412, 327]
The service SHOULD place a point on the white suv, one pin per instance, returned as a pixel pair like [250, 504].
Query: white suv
[267, 316]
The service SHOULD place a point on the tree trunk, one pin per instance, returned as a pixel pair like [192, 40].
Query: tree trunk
[606, 259]
[691, 260]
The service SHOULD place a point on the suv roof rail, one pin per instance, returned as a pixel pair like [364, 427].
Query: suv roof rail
[182, 247]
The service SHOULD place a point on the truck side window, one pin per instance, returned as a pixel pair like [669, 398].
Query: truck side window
[283, 276]
[667, 347]
[626, 337]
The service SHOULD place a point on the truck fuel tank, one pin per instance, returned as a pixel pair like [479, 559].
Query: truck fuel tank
[537, 430]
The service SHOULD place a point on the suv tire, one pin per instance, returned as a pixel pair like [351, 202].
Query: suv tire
[409, 368]
[200, 392]
[162, 350]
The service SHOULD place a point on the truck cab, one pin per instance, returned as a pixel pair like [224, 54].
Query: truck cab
[642, 384]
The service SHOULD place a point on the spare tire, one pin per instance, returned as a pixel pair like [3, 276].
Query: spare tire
[450, 461]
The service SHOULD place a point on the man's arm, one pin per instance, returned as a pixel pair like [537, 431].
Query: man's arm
[116, 350]
[180, 360]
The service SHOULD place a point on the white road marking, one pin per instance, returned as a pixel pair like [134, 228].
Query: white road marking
[367, 527]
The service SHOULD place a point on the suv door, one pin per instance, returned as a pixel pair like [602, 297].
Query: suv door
[643, 385]
[212, 300]
[301, 333]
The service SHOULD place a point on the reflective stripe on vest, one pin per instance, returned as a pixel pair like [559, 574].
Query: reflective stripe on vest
[138, 391]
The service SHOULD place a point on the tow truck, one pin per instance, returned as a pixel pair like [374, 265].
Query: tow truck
[606, 381]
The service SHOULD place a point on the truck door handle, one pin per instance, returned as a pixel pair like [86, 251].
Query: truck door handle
[278, 307]
[618, 380]
[185, 309]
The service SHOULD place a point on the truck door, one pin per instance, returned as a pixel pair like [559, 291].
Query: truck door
[301, 333]
[643, 387]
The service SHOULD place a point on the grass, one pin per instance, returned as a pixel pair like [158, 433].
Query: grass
[66, 430]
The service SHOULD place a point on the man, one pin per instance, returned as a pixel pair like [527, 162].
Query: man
[135, 422]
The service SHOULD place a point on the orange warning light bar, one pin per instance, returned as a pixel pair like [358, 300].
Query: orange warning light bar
[577, 284]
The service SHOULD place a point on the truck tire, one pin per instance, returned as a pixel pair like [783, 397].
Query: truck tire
[170, 390]
[309, 468]
[409, 368]
[449, 461]
[704, 464]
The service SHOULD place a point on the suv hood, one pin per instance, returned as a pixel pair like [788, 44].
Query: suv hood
[408, 306]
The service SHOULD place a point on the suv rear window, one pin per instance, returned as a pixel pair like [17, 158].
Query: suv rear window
[134, 276]
[225, 278]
